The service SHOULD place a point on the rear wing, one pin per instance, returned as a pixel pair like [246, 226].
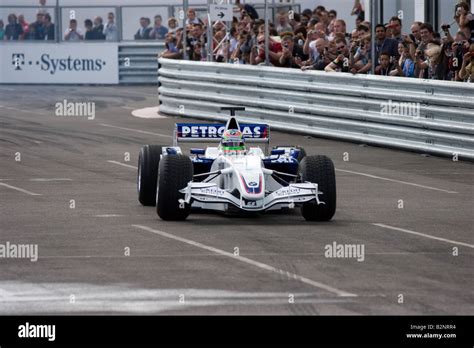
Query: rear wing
[212, 132]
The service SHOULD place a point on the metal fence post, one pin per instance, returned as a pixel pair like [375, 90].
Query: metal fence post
[185, 36]
[267, 39]
[373, 23]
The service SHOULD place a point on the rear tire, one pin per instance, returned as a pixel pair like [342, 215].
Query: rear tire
[175, 172]
[148, 161]
[319, 170]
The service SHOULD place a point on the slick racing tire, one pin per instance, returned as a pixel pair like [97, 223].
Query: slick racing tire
[174, 174]
[148, 161]
[319, 170]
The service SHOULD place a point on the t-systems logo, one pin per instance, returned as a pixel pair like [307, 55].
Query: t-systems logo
[18, 59]
[54, 64]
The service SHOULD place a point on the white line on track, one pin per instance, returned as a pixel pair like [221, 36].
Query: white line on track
[393, 180]
[123, 164]
[424, 235]
[136, 130]
[107, 215]
[250, 262]
[20, 189]
[50, 180]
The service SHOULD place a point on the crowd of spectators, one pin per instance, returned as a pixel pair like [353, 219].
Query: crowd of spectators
[318, 40]
[19, 29]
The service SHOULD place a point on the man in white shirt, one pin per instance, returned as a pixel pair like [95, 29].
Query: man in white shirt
[110, 29]
[73, 33]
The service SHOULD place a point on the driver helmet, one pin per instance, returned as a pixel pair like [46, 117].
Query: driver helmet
[233, 142]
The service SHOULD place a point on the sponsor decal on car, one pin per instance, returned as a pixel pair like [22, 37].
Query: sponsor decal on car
[198, 130]
[287, 191]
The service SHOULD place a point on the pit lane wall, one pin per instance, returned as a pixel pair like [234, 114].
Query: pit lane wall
[426, 116]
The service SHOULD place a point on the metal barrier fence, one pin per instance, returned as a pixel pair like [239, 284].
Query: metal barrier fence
[138, 62]
[417, 115]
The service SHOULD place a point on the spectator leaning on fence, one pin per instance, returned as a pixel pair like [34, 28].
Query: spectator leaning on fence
[110, 28]
[467, 68]
[342, 61]
[73, 33]
[13, 30]
[172, 51]
[360, 56]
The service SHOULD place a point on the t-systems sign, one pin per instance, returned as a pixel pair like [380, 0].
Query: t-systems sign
[59, 63]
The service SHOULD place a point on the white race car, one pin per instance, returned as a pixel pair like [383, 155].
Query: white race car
[232, 178]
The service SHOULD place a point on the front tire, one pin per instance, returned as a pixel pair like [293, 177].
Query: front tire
[301, 154]
[148, 161]
[319, 170]
[175, 172]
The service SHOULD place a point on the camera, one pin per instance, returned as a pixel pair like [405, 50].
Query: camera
[446, 27]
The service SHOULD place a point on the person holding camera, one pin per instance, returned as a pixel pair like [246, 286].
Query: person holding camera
[464, 17]
[323, 58]
[73, 33]
[292, 56]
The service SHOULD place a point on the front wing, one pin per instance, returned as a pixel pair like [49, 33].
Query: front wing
[210, 196]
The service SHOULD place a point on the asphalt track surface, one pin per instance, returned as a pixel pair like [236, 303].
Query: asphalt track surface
[190, 267]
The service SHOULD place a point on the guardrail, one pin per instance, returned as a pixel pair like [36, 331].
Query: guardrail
[138, 62]
[359, 108]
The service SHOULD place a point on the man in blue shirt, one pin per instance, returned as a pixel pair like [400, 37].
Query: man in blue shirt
[384, 44]
[159, 31]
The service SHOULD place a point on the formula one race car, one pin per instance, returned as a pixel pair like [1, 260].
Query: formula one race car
[232, 178]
